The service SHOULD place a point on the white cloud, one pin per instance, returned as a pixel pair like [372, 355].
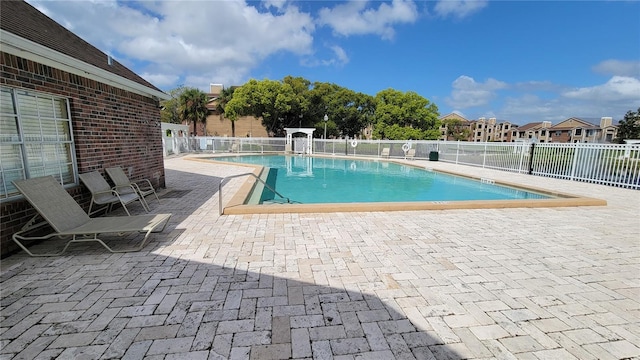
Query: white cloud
[339, 58]
[469, 93]
[618, 88]
[459, 8]
[613, 98]
[618, 67]
[160, 80]
[341, 55]
[189, 39]
[357, 18]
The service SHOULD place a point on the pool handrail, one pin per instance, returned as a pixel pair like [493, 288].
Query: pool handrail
[221, 209]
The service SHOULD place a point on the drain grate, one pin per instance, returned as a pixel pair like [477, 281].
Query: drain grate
[175, 193]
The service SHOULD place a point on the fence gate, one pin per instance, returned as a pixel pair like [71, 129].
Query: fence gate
[300, 145]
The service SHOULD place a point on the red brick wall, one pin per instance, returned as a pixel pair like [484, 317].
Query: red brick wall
[111, 127]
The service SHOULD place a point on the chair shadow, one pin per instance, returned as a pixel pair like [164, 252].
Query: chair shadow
[254, 301]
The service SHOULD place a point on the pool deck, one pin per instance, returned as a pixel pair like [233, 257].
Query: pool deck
[505, 283]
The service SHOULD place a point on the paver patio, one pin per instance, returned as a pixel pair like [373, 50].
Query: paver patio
[544, 283]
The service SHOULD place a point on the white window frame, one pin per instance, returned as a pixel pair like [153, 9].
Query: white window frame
[41, 144]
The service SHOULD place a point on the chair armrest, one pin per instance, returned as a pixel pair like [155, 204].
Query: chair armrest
[144, 182]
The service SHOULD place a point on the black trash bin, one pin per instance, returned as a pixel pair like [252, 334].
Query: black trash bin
[433, 156]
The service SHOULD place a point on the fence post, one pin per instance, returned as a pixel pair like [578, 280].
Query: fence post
[457, 151]
[520, 149]
[575, 162]
[484, 155]
[533, 146]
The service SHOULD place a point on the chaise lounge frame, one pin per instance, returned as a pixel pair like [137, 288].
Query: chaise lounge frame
[123, 185]
[103, 195]
[69, 220]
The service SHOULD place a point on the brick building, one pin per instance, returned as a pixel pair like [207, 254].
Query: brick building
[67, 108]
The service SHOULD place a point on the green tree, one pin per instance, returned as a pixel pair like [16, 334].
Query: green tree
[275, 102]
[457, 130]
[221, 104]
[193, 107]
[406, 110]
[170, 109]
[629, 127]
[353, 111]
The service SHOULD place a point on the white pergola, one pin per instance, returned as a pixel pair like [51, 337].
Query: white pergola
[308, 131]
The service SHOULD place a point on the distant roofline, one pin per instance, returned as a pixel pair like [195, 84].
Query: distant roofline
[27, 49]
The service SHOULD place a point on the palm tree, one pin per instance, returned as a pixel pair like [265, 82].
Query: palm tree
[221, 103]
[193, 107]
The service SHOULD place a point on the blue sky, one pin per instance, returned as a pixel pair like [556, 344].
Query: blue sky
[518, 61]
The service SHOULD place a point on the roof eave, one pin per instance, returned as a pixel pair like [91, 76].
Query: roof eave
[26, 49]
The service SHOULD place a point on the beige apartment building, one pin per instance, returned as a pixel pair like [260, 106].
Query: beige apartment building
[572, 130]
[218, 125]
[481, 130]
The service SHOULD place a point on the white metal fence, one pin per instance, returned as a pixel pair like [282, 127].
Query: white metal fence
[608, 164]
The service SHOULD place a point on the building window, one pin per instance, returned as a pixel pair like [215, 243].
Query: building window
[36, 139]
[578, 132]
[558, 133]
[543, 132]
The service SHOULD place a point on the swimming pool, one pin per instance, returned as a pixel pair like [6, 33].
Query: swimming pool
[318, 180]
[298, 169]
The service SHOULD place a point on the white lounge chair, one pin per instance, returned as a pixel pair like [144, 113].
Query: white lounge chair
[411, 154]
[385, 152]
[68, 219]
[123, 185]
[103, 194]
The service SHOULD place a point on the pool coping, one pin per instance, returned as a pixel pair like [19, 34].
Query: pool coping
[237, 205]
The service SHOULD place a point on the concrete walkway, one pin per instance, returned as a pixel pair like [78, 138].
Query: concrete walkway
[547, 283]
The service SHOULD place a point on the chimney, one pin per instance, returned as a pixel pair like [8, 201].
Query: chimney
[546, 124]
[605, 121]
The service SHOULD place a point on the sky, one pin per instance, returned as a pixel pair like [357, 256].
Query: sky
[517, 61]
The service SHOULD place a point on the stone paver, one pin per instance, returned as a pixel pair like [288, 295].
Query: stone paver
[544, 283]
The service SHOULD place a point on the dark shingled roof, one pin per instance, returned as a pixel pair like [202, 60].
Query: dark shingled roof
[22, 19]
[528, 126]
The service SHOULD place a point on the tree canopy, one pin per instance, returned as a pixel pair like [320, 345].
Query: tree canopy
[193, 107]
[170, 108]
[296, 102]
[629, 127]
[406, 115]
[456, 129]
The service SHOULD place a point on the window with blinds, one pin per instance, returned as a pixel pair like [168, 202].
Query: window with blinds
[35, 139]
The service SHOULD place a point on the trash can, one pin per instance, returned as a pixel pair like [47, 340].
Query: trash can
[433, 156]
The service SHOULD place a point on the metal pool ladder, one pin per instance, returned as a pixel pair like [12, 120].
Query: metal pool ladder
[221, 209]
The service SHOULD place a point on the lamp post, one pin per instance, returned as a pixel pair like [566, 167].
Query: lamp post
[326, 118]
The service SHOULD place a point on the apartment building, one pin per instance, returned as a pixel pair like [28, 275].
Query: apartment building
[218, 125]
[454, 127]
[540, 131]
[488, 130]
[481, 130]
[575, 130]
[572, 130]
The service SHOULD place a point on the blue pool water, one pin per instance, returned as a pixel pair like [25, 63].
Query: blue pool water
[312, 180]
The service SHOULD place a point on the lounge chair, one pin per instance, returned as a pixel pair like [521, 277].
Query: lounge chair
[385, 153]
[411, 154]
[68, 219]
[123, 185]
[103, 194]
